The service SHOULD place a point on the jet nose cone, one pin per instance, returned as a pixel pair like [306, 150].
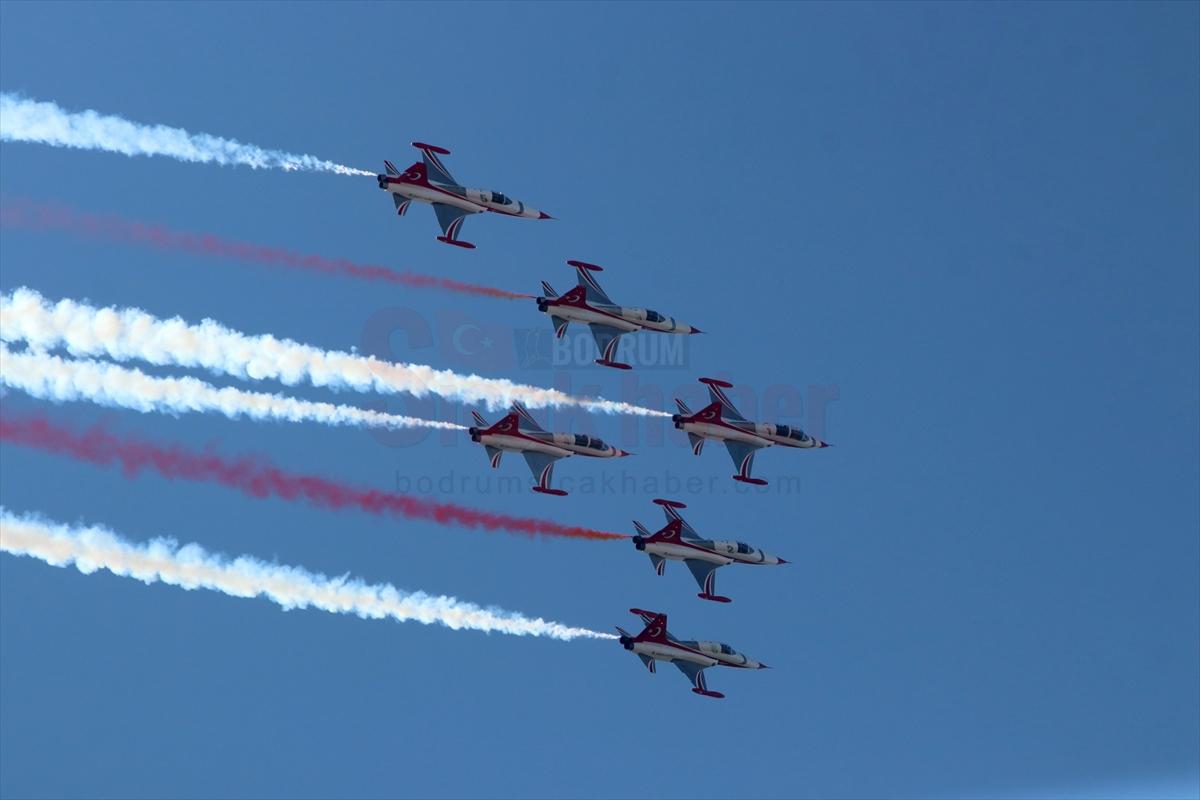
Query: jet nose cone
[623, 453]
[695, 330]
[779, 560]
[544, 215]
[763, 666]
[824, 444]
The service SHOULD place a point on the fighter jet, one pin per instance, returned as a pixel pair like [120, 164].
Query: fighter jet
[589, 304]
[518, 432]
[720, 420]
[654, 643]
[428, 181]
[679, 542]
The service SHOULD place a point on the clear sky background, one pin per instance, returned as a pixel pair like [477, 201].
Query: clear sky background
[977, 222]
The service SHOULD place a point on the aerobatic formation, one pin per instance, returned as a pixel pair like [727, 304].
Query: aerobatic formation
[92, 339]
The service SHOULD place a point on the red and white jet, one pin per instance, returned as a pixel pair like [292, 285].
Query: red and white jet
[678, 541]
[518, 432]
[655, 643]
[720, 420]
[428, 181]
[589, 304]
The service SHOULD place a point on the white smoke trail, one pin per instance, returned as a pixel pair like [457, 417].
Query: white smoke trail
[129, 333]
[191, 567]
[25, 120]
[48, 377]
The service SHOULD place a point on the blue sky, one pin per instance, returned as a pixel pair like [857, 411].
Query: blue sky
[975, 224]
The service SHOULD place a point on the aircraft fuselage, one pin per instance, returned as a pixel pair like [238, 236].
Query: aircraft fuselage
[574, 308]
[554, 444]
[706, 654]
[714, 552]
[474, 201]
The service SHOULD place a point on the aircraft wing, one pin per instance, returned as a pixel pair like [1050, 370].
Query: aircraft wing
[716, 393]
[434, 167]
[695, 674]
[527, 418]
[450, 218]
[742, 454]
[591, 287]
[606, 338]
[542, 467]
[687, 530]
[705, 574]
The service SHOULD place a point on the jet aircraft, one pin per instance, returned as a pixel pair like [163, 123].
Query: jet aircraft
[518, 432]
[721, 420]
[589, 304]
[655, 643]
[679, 541]
[428, 181]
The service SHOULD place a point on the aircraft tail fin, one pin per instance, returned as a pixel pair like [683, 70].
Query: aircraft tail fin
[549, 290]
[641, 529]
[683, 407]
[656, 626]
[390, 167]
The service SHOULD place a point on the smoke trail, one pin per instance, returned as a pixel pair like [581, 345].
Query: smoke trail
[49, 377]
[125, 334]
[191, 567]
[24, 213]
[24, 120]
[259, 478]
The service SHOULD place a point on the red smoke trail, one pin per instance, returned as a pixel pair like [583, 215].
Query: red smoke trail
[27, 214]
[259, 478]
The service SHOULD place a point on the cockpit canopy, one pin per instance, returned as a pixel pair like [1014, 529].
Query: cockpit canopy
[499, 198]
[717, 647]
[654, 316]
[789, 432]
[592, 442]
